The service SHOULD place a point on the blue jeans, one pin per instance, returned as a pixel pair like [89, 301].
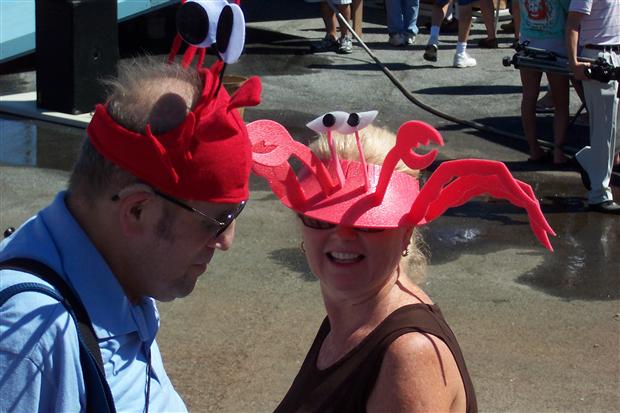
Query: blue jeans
[402, 16]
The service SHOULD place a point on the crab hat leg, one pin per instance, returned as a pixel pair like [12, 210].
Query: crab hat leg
[456, 182]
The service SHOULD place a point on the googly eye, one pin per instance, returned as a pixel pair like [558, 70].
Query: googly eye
[328, 122]
[207, 23]
[230, 36]
[357, 121]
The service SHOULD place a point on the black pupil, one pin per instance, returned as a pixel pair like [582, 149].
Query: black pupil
[224, 29]
[193, 23]
[329, 120]
[354, 119]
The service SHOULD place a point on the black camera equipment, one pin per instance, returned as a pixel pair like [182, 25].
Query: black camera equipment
[545, 61]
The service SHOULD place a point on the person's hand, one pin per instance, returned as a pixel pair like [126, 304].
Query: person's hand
[579, 70]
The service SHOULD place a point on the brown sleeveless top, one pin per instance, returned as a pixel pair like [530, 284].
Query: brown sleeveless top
[346, 385]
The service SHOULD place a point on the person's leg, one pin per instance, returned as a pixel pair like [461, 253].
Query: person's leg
[329, 42]
[488, 17]
[516, 17]
[597, 158]
[395, 27]
[461, 57]
[560, 94]
[345, 43]
[410, 9]
[345, 10]
[530, 79]
[329, 18]
[439, 11]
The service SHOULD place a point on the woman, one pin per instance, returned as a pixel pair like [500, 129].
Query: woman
[384, 346]
[542, 25]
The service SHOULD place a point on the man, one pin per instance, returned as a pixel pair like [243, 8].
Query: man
[158, 184]
[594, 25]
[461, 57]
[331, 42]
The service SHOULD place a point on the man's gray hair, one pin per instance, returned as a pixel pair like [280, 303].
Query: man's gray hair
[146, 91]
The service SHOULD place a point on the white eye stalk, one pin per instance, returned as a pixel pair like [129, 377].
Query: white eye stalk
[213, 23]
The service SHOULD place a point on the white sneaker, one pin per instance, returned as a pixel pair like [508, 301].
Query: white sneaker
[396, 39]
[409, 39]
[463, 60]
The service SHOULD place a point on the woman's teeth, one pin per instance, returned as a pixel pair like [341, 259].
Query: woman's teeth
[344, 256]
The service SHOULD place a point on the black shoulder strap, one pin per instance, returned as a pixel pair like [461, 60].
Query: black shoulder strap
[99, 396]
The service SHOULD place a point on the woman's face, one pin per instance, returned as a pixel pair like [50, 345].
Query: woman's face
[353, 262]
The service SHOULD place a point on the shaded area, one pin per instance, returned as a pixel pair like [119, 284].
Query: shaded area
[294, 260]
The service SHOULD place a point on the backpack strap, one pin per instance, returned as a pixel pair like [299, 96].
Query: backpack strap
[98, 395]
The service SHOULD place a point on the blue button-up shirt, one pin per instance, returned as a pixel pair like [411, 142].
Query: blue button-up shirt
[39, 356]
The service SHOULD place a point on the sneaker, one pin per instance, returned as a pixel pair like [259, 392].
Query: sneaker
[409, 39]
[345, 45]
[430, 53]
[328, 44]
[487, 43]
[463, 60]
[396, 39]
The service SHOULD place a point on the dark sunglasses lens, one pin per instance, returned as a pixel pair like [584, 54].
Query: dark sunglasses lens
[315, 223]
[230, 218]
[370, 230]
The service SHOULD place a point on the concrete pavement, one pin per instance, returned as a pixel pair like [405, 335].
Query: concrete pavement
[540, 331]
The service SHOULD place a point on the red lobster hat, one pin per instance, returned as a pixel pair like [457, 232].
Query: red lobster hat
[363, 195]
[208, 156]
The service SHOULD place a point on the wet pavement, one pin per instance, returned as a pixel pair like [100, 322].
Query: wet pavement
[540, 331]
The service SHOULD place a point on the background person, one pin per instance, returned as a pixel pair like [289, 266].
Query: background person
[154, 193]
[332, 42]
[402, 17]
[542, 25]
[461, 57]
[594, 25]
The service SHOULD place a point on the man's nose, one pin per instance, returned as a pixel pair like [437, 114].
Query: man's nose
[224, 240]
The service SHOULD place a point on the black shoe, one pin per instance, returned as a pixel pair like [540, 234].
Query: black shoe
[607, 207]
[430, 53]
[328, 44]
[585, 178]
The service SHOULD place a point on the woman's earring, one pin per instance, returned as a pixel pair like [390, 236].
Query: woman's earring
[301, 247]
[405, 252]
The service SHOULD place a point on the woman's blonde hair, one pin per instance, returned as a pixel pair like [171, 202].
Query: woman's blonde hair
[376, 143]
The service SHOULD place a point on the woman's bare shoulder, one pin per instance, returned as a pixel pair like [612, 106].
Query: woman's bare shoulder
[418, 374]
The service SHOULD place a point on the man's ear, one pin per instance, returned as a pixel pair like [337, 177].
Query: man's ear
[135, 212]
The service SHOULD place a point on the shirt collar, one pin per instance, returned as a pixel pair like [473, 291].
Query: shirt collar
[110, 310]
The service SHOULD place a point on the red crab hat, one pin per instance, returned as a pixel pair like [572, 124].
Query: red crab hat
[357, 194]
[208, 156]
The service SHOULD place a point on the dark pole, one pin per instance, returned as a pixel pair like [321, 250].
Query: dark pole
[76, 46]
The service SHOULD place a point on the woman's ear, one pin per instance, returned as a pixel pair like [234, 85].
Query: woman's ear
[407, 237]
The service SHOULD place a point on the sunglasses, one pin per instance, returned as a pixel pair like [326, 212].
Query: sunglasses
[222, 223]
[318, 224]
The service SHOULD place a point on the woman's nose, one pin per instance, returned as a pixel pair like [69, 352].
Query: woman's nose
[345, 232]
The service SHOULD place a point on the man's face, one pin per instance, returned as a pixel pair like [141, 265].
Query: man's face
[179, 248]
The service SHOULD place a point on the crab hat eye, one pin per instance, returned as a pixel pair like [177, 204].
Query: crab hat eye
[230, 33]
[328, 122]
[206, 23]
[357, 121]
